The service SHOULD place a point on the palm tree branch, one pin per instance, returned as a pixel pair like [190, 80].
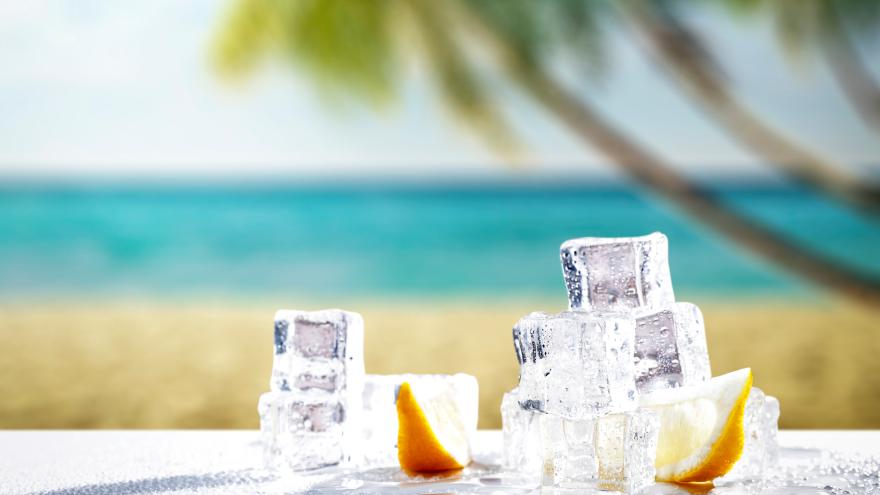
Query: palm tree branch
[459, 81]
[658, 176]
[684, 56]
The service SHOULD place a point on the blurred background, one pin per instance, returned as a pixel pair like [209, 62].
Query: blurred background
[171, 173]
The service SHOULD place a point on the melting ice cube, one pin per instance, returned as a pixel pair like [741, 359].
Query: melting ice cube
[617, 274]
[521, 436]
[576, 364]
[612, 452]
[670, 348]
[317, 349]
[301, 432]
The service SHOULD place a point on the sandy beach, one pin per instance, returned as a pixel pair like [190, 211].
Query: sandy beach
[203, 364]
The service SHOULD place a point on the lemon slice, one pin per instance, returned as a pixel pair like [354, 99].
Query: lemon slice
[701, 427]
[431, 434]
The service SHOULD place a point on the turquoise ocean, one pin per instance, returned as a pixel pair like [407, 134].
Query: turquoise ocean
[385, 239]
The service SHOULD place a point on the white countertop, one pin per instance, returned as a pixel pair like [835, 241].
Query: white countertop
[185, 461]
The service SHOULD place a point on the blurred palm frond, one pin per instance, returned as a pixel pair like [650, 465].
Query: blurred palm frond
[345, 47]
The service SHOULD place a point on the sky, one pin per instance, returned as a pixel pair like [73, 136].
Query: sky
[104, 89]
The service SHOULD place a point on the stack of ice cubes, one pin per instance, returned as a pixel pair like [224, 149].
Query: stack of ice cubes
[312, 417]
[323, 410]
[574, 418]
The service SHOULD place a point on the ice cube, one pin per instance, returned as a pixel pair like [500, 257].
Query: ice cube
[380, 410]
[612, 452]
[617, 273]
[319, 357]
[670, 348]
[576, 364]
[626, 446]
[770, 427]
[568, 452]
[521, 435]
[301, 431]
[760, 424]
[318, 350]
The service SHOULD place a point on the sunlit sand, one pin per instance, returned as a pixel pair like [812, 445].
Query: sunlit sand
[203, 365]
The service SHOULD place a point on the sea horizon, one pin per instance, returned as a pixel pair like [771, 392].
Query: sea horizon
[385, 239]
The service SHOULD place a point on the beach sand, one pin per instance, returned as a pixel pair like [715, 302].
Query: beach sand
[203, 365]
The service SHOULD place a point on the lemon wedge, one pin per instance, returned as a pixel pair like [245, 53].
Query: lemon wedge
[431, 434]
[701, 427]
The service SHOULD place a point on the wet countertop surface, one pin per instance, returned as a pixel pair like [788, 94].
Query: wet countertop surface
[229, 462]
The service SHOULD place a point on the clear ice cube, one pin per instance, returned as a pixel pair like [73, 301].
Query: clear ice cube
[770, 426]
[576, 364]
[761, 450]
[568, 453]
[612, 452]
[617, 273]
[301, 432]
[670, 348]
[318, 350]
[521, 436]
[380, 409]
[318, 358]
